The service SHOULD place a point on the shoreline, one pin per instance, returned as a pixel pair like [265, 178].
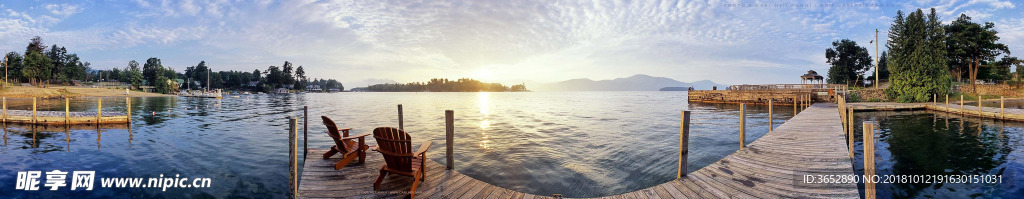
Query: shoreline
[54, 92]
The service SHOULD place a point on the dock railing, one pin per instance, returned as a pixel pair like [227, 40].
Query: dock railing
[837, 87]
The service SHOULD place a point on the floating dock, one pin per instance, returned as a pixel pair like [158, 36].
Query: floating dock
[811, 143]
[65, 117]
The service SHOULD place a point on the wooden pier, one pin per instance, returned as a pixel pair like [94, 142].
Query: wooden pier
[954, 107]
[811, 143]
[65, 117]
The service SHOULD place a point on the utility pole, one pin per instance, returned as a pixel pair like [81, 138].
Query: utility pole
[876, 59]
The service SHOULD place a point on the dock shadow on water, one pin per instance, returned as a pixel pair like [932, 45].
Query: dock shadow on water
[578, 144]
[939, 143]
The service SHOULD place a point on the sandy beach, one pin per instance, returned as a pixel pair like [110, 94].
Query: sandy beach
[70, 91]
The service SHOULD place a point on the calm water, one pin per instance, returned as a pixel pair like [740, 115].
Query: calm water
[936, 143]
[578, 144]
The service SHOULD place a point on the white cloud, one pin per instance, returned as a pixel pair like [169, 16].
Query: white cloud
[63, 10]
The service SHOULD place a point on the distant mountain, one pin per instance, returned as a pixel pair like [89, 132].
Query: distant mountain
[633, 83]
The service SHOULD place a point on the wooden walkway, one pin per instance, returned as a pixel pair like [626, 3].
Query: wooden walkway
[953, 107]
[811, 143]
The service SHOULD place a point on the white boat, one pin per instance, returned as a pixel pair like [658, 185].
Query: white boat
[216, 93]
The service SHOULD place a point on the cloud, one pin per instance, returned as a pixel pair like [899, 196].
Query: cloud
[63, 10]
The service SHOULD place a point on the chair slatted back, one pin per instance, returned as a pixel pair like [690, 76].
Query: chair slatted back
[332, 130]
[396, 146]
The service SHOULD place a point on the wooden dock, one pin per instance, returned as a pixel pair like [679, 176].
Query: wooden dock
[811, 143]
[952, 107]
[65, 117]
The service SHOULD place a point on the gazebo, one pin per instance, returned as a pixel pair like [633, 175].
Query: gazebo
[810, 77]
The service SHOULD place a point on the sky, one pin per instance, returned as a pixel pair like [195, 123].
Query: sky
[362, 42]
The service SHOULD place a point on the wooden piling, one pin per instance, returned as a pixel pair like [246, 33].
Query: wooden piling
[961, 104]
[128, 100]
[305, 131]
[947, 101]
[449, 139]
[292, 157]
[849, 130]
[979, 104]
[401, 120]
[794, 106]
[5, 110]
[1001, 112]
[684, 142]
[935, 99]
[869, 159]
[99, 110]
[743, 124]
[67, 111]
[771, 121]
[33, 110]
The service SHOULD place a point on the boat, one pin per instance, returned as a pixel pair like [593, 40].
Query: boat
[216, 93]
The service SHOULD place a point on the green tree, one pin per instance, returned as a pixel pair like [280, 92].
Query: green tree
[917, 58]
[152, 70]
[883, 68]
[36, 65]
[849, 61]
[971, 43]
[300, 76]
[133, 73]
[14, 65]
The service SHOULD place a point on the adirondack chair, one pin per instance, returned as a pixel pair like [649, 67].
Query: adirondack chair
[349, 148]
[396, 146]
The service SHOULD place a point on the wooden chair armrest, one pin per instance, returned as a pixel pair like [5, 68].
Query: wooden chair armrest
[423, 148]
[354, 137]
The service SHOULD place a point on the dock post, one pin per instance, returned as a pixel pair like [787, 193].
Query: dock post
[99, 109]
[33, 110]
[684, 143]
[292, 158]
[849, 130]
[67, 112]
[449, 138]
[128, 100]
[1001, 112]
[947, 103]
[935, 99]
[5, 109]
[771, 121]
[743, 124]
[401, 120]
[869, 159]
[961, 104]
[794, 106]
[979, 105]
[305, 131]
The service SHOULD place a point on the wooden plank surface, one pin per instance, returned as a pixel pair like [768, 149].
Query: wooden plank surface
[813, 142]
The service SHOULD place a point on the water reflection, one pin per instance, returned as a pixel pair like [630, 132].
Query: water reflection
[37, 134]
[483, 103]
[918, 143]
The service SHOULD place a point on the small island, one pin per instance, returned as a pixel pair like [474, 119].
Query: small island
[444, 85]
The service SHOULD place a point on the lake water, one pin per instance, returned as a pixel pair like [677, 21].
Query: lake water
[938, 143]
[579, 144]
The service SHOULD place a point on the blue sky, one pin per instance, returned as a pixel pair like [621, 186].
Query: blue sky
[501, 41]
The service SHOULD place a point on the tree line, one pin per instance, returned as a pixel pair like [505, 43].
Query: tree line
[925, 56]
[445, 85]
[42, 66]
